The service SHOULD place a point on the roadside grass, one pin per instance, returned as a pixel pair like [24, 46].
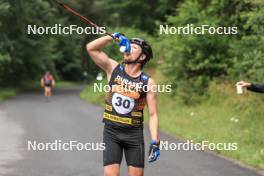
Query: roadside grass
[6, 93]
[66, 84]
[224, 117]
[94, 97]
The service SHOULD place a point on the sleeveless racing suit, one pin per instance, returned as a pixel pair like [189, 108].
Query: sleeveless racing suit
[123, 118]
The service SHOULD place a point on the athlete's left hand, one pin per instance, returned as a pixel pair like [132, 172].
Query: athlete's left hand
[154, 151]
[124, 43]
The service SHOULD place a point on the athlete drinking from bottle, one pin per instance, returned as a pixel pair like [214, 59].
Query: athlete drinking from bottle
[131, 89]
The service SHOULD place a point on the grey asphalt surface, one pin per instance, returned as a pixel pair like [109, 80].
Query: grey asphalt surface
[28, 117]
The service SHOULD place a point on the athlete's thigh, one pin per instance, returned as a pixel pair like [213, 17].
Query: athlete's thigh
[112, 170]
[135, 154]
[135, 171]
[47, 88]
[134, 148]
[113, 151]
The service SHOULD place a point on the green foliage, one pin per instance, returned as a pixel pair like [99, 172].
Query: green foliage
[23, 55]
[140, 14]
[26, 57]
[7, 93]
[192, 61]
[248, 51]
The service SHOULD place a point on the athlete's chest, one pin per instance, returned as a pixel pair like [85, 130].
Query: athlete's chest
[128, 84]
[126, 93]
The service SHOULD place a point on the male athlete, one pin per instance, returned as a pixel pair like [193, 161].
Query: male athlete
[131, 89]
[252, 87]
[47, 81]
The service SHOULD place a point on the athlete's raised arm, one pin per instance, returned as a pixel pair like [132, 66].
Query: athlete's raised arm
[100, 58]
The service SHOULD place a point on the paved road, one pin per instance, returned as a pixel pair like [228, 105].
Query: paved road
[29, 117]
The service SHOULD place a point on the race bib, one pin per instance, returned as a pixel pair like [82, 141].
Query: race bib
[122, 104]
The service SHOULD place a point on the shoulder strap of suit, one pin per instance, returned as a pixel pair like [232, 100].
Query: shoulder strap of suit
[116, 70]
[144, 78]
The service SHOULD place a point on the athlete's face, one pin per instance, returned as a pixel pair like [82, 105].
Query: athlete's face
[136, 52]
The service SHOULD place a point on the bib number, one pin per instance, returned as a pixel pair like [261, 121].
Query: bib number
[122, 104]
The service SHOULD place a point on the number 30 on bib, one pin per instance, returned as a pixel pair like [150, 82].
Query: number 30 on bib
[122, 104]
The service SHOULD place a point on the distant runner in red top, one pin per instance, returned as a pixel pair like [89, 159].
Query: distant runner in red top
[47, 81]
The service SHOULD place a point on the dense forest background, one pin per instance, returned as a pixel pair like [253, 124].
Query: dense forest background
[189, 62]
